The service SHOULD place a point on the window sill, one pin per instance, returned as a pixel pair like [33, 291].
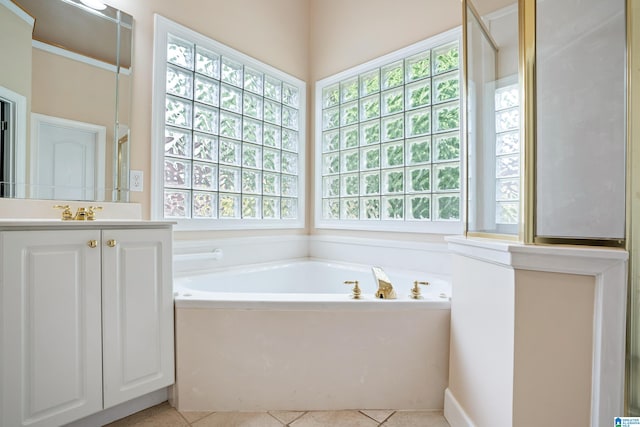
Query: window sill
[426, 227]
[234, 224]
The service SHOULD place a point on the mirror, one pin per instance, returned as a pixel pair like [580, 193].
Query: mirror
[65, 100]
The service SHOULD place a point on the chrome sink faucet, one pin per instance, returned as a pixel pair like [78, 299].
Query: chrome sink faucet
[385, 289]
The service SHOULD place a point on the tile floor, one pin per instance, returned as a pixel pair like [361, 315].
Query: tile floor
[164, 415]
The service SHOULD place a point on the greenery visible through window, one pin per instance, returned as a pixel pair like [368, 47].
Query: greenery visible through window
[507, 108]
[390, 140]
[231, 137]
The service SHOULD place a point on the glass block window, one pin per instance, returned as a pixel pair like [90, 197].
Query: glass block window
[232, 135]
[507, 122]
[389, 139]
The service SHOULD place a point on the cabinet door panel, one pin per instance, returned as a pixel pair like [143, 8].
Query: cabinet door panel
[137, 313]
[51, 327]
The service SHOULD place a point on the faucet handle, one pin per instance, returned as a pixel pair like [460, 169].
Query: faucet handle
[356, 289]
[415, 292]
[91, 212]
[67, 215]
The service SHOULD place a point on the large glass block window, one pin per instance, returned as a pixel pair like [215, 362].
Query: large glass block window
[389, 143]
[232, 136]
[507, 122]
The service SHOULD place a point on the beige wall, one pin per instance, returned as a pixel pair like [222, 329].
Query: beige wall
[347, 33]
[553, 349]
[15, 35]
[15, 74]
[74, 90]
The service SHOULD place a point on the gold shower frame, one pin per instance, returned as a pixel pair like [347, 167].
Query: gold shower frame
[527, 81]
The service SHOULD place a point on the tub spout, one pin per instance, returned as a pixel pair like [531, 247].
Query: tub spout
[385, 289]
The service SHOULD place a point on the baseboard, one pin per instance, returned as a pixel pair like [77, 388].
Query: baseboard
[453, 412]
[123, 410]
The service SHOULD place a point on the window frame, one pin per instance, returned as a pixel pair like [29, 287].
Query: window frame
[162, 28]
[405, 225]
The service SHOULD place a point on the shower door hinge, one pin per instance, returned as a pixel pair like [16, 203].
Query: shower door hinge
[4, 125]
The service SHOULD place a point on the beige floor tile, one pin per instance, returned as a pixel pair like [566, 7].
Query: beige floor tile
[417, 419]
[287, 416]
[161, 415]
[193, 416]
[238, 419]
[334, 419]
[377, 415]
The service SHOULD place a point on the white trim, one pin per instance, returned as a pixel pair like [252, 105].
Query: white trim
[559, 259]
[192, 256]
[430, 257]
[18, 12]
[609, 335]
[158, 83]
[78, 57]
[19, 129]
[405, 225]
[195, 224]
[163, 26]
[397, 226]
[454, 413]
[609, 266]
[201, 256]
[100, 131]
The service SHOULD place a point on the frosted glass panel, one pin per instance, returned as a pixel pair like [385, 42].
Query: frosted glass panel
[378, 130]
[231, 130]
[581, 118]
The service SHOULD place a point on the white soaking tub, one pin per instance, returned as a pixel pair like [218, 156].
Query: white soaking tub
[287, 336]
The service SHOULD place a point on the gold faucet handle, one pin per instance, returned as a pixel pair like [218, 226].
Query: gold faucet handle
[415, 292]
[356, 292]
[91, 212]
[67, 215]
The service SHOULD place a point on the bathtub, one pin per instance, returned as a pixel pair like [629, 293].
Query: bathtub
[287, 336]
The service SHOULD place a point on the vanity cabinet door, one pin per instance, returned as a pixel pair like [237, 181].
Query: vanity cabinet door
[137, 313]
[50, 327]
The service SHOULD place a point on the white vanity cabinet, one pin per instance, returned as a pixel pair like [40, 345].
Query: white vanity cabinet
[86, 320]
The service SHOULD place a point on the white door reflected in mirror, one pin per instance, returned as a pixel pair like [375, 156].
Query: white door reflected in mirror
[69, 164]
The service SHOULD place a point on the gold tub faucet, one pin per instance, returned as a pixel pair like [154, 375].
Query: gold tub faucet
[385, 289]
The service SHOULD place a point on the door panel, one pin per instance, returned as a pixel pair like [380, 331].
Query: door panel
[51, 327]
[137, 313]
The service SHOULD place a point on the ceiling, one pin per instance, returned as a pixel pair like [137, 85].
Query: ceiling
[74, 27]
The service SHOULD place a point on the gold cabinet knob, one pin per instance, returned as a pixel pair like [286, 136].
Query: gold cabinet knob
[415, 292]
[111, 243]
[355, 294]
[92, 243]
